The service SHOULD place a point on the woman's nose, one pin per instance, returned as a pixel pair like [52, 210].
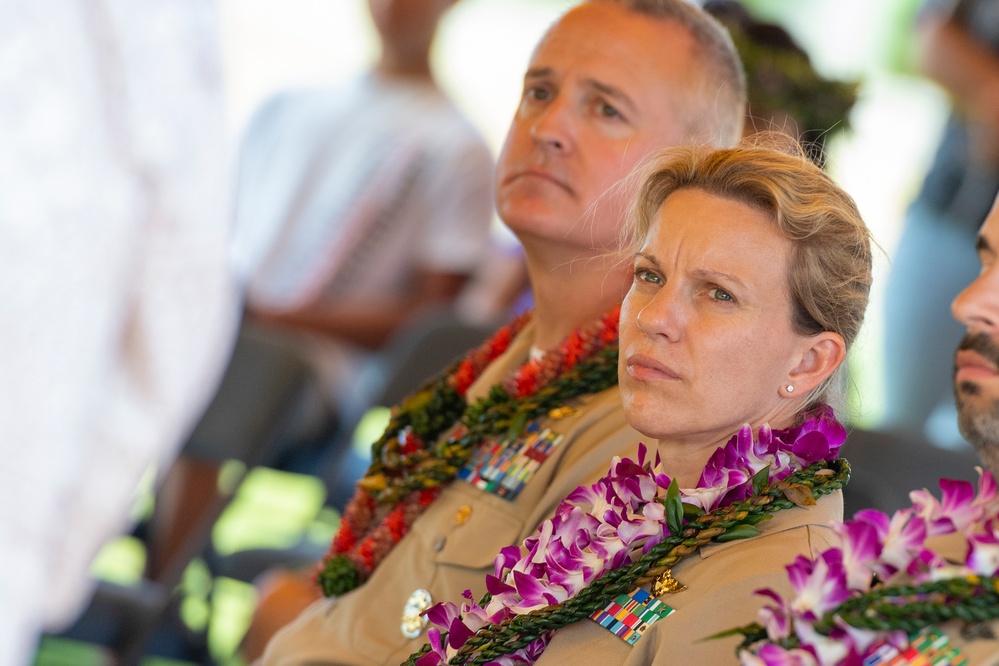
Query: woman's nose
[663, 315]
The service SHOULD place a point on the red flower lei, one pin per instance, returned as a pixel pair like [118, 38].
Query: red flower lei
[378, 516]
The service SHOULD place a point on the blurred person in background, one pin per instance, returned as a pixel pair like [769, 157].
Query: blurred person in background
[786, 93]
[374, 199]
[958, 48]
[117, 301]
[358, 208]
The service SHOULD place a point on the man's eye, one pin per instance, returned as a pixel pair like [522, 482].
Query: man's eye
[537, 94]
[608, 111]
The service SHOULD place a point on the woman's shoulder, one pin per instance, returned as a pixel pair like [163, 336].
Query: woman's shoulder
[809, 526]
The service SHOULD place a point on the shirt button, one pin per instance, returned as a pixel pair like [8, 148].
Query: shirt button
[439, 543]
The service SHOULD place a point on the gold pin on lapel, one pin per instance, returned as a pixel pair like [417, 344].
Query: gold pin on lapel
[563, 412]
[666, 584]
[462, 515]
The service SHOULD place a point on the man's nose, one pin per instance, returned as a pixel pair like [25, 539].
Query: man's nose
[977, 306]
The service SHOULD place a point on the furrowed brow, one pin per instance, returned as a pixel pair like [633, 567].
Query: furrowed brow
[715, 275]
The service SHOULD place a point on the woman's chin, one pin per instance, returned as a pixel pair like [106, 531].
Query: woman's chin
[646, 417]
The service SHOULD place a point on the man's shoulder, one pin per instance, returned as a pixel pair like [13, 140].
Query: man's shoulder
[301, 103]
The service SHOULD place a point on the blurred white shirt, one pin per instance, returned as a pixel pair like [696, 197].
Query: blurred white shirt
[116, 305]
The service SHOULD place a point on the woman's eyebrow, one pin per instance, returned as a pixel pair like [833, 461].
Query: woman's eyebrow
[648, 257]
[708, 274]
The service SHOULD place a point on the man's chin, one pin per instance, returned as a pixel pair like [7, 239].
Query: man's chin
[978, 420]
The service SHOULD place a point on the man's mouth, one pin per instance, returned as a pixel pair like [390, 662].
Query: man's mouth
[977, 359]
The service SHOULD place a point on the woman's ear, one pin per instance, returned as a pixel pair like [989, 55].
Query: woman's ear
[821, 355]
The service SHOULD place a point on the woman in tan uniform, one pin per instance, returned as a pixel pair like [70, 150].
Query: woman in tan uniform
[751, 276]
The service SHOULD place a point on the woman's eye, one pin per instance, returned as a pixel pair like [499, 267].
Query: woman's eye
[720, 294]
[645, 275]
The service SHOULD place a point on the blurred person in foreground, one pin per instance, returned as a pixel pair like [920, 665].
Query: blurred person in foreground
[752, 272]
[118, 304]
[483, 454]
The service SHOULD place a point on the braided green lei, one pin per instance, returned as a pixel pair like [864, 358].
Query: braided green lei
[499, 412]
[885, 580]
[908, 608]
[734, 521]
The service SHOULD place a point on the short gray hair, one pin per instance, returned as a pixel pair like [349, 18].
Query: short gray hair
[715, 110]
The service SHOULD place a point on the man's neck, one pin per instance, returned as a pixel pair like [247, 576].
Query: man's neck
[396, 66]
[572, 294]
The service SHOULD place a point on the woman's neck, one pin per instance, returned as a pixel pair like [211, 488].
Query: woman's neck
[684, 462]
[684, 459]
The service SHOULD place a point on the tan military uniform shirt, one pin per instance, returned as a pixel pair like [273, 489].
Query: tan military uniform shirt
[452, 545]
[721, 581]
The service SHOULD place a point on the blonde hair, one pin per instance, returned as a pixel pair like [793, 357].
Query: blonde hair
[829, 271]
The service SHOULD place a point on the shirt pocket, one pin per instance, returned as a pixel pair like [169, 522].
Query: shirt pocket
[472, 529]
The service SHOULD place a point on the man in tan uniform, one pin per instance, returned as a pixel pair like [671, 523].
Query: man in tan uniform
[976, 366]
[976, 388]
[611, 81]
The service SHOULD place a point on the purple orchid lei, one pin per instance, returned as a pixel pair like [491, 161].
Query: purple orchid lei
[611, 523]
[811, 629]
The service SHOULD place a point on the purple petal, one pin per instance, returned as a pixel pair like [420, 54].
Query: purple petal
[442, 614]
[458, 633]
[774, 655]
[861, 546]
[955, 494]
[494, 586]
[811, 447]
[506, 560]
[876, 519]
[437, 655]
[529, 588]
